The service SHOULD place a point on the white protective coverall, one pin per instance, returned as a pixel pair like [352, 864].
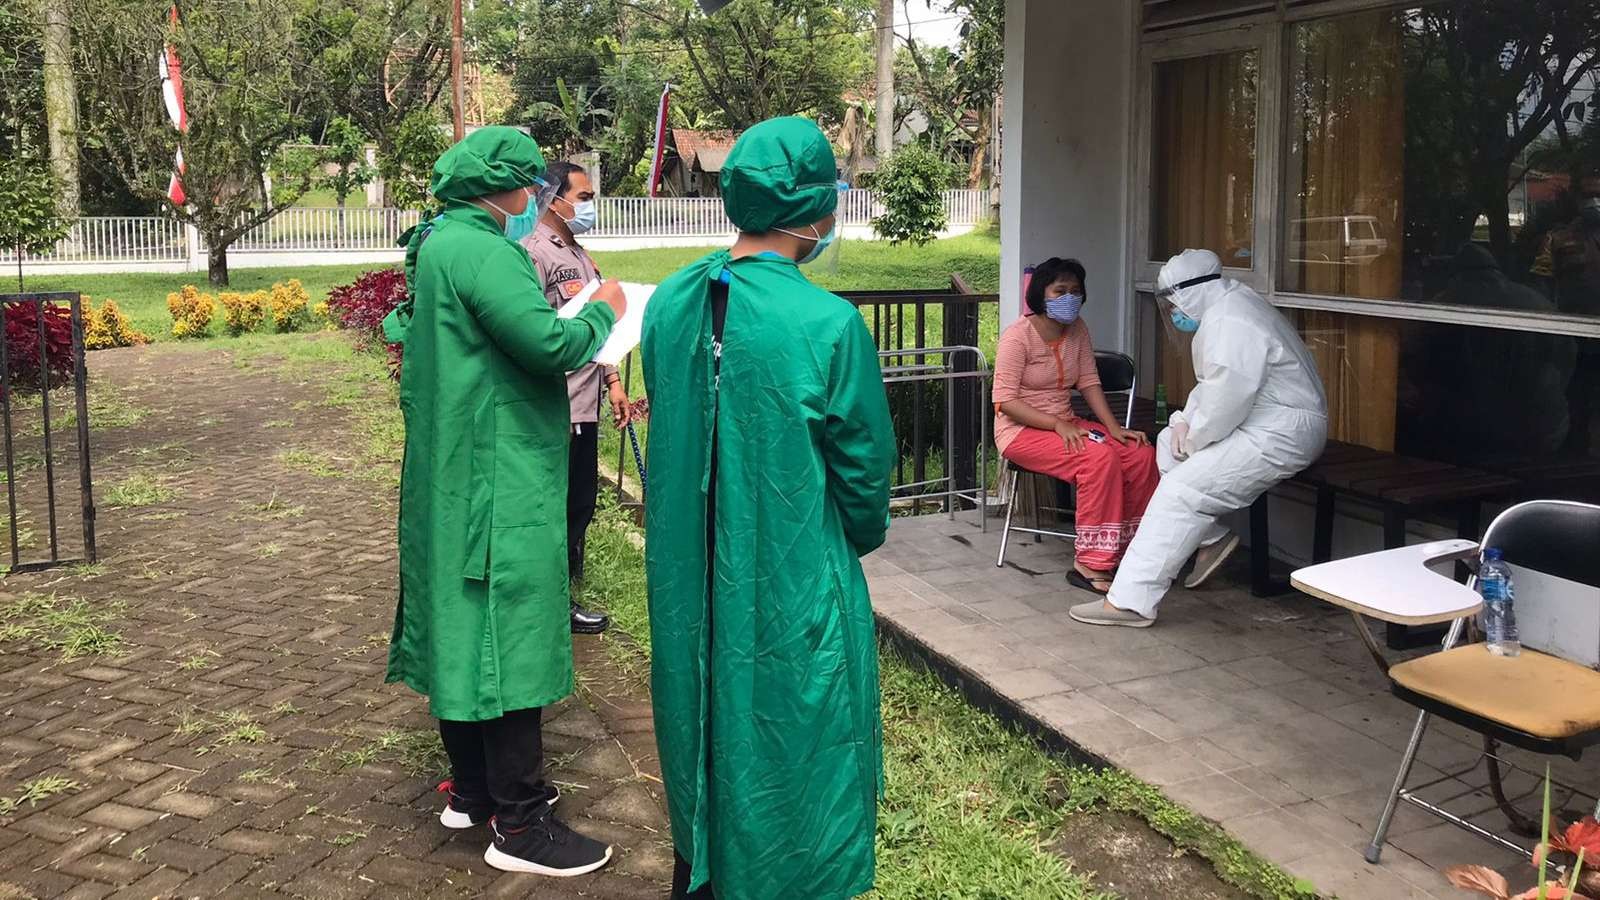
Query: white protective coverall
[1258, 416]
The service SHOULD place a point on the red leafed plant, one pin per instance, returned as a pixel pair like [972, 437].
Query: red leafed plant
[22, 344]
[362, 305]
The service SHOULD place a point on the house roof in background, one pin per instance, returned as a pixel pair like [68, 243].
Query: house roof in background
[711, 159]
[691, 143]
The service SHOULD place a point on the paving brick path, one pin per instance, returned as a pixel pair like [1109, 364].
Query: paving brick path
[241, 742]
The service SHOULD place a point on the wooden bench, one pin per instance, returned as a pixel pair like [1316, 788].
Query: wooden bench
[1400, 486]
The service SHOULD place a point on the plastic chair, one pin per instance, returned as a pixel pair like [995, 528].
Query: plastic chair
[1118, 375]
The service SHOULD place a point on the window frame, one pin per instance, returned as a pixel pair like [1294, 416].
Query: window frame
[1254, 34]
[1268, 34]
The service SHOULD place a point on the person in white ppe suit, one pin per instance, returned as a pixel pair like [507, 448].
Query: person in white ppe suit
[1258, 415]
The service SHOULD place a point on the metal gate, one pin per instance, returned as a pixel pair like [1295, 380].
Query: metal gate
[42, 352]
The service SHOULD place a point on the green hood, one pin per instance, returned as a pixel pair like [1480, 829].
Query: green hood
[780, 174]
[487, 161]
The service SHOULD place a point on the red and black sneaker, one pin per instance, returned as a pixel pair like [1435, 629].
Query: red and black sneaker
[545, 846]
[468, 812]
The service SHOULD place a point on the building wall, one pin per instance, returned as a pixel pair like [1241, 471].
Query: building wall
[1068, 86]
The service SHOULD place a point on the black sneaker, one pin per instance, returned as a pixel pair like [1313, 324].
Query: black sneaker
[545, 846]
[469, 812]
[587, 621]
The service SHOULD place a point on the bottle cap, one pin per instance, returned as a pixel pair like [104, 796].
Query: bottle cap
[1491, 554]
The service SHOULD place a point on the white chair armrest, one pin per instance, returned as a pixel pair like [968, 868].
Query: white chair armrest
[1398, 585]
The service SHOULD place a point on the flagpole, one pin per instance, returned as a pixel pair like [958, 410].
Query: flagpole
[460, 89]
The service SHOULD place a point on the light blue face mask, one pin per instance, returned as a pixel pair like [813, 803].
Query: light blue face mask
[822, 242]
[584, 216]
[520, 225]
[1065, 308]
[1183, 323]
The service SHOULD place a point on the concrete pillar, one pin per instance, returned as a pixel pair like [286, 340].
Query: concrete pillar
[1067, 158]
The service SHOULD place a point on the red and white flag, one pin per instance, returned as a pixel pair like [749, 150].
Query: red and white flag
[661, 139]
[172, 95]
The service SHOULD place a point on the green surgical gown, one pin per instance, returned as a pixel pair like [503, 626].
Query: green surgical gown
[482, 624]
[765, 666]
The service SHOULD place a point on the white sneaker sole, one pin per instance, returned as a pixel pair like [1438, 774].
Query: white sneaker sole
[1199, 576]
[450, 818]
[508, 863]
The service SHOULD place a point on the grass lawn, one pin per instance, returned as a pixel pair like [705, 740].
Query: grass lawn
[864, 265]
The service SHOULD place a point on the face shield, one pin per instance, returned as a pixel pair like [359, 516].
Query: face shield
[1179, 325]
[541, 194]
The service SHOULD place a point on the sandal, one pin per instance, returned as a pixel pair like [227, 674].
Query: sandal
[1079, 580]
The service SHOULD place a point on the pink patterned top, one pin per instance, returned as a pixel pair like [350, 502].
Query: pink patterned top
[1040, 373]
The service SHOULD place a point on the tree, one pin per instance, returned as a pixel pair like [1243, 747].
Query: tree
[247, 97]
[61, 102]
[911, 186]
[407, 168]
[30, 217]
[951, 85]
[345, 148]
[21, 88]
[762, 58]
[572, 114]
[379, 63]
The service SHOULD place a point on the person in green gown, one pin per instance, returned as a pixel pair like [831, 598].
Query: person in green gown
[770, 450]
[481, 626]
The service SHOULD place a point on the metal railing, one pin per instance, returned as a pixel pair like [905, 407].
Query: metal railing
[116, 239]
[310, 229]
[936, 478]
[157, 239]
[32, 365]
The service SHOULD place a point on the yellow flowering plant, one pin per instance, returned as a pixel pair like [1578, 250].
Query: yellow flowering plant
[191, 312]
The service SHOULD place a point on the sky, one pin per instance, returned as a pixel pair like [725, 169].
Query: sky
[930, 26]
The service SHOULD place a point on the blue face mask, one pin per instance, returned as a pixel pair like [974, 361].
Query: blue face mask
[1064, 309]
[1183, 323]
[520, 225]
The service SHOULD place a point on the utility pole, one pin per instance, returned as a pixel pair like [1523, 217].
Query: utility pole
[885, 136]
[457, 78]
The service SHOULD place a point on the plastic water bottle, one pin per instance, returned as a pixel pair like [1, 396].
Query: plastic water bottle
[1161, 404]
[1499, 604]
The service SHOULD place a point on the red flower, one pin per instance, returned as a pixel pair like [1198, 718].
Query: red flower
[1583, 834]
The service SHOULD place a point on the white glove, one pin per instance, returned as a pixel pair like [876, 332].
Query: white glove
[1180, 440]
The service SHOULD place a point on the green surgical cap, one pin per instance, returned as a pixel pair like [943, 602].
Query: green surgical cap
[487, 161]
[780, 174]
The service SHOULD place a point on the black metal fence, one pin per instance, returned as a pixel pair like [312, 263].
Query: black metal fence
[938, 415]
[41, 354]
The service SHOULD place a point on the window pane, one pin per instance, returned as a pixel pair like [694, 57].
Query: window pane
[1442, 153]
[1204, 160]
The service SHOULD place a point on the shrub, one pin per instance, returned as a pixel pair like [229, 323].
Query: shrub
[912, 187]
[291, 306]
[243, 313]
[362, 305]
[108, 327]
[22, 344]
[191, 312]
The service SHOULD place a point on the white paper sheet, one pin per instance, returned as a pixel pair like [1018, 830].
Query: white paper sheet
[625, 334]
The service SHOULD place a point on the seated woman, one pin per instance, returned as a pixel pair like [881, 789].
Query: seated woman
[1041, 359]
